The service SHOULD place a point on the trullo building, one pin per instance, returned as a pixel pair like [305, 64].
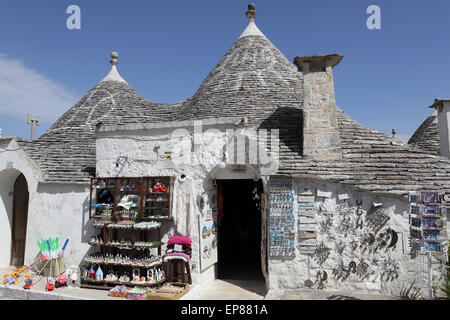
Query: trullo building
[268, 177]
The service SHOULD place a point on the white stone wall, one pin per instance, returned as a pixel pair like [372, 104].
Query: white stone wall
[138, 147]
[13, 161]
[292, 273]
[141, 152]
[54, 210]
[59, 210]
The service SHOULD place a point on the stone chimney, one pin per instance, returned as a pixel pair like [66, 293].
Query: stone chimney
[443, 115]
[320, 130]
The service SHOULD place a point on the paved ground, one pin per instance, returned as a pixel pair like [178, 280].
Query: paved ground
[234, 290]
[217, 290]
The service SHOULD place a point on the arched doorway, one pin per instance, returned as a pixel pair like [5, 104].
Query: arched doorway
[19, 221]
[14, 199]
[240, 229]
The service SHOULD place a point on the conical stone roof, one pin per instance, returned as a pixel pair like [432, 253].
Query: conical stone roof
[426, 137]
[66, 152]
[253, 79]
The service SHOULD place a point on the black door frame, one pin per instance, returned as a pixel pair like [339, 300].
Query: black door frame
[220, 201]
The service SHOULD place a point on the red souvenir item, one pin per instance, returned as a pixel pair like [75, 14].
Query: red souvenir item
[159, 187]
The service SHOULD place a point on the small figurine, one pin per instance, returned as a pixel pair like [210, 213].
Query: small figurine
[28, 283]
[61, 282]
[159, 187]
[50, 286]
[9, 279]
[72, 279]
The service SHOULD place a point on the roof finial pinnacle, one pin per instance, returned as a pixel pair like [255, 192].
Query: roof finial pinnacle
[251, 13]
[114, 56]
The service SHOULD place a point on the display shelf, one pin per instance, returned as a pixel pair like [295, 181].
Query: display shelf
[121, 193]
[157, 218]
[117, 264]
[124, 212]
[127, 246]
[126, 283]
[101, 197]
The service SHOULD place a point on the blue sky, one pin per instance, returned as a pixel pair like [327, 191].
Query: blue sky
[387, 79]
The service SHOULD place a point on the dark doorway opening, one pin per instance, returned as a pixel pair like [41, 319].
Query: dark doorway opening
[19, 223]
[239, 230]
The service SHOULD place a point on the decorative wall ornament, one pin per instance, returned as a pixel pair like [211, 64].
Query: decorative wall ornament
[389, 269]
[377, 218]
[381, 241]
[282, 218]
[340, 246]
[354, 244]
[326, 208]
[343, 196]
[359, 223]
[341, 272]
[326, 224]
[394, 239]
[363, 271]
[345, 209]
[307, 234]
[367, 243]
[324, 193]
[346, 225]
[385, 240]
[321, 278]
[321, 253]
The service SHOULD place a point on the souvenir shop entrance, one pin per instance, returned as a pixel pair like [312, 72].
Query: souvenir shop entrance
[239, 229]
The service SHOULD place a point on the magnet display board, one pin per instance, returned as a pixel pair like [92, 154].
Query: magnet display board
[208, 230]
[281, 219]
[428, 221]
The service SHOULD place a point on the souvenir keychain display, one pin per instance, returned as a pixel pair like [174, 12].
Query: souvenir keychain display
[127, 243]
[282, 219]
[307, 223]
[428, 221]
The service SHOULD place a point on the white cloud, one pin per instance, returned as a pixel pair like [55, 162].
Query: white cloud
[24, 91]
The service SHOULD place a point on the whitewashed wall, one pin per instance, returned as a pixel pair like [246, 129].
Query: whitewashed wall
[144, 158]
[138, 147]
[292, 273]
[60, 210]
[54, 210]
[13, 161]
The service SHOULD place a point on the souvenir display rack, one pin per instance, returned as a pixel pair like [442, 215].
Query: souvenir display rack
[147, 198]
[128, 211]
[428, 221]
[281, 219]
[125, 256]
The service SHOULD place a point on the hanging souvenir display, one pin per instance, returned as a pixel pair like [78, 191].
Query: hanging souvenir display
[389, 269]
[343, 196]
[323, 193]
[339, 246]
[428, 221]
[377, 217]
[208, 241]
[321, 279]
[321, 254]
[306, 220]
[306, 200]
[282, 219]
